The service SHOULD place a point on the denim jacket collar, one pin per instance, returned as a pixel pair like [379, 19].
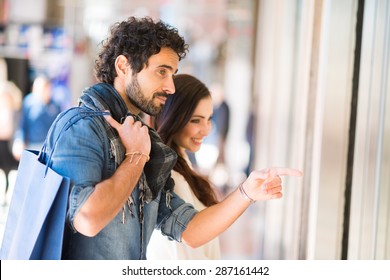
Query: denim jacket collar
[157, 170]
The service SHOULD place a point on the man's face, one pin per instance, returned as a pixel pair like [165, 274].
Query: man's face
[148, 89]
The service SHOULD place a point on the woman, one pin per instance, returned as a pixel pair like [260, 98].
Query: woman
[183, 124]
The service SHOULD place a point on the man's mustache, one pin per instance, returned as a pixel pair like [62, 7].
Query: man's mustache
[163, 94]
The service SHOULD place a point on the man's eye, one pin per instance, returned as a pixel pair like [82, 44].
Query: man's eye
[163, 72]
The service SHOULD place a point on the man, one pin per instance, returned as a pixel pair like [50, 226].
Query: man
[119, 168]
[39, 110]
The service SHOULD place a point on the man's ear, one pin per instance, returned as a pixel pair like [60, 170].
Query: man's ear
[122, 66]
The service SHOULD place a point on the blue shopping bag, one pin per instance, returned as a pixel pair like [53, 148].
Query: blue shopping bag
[36, 217]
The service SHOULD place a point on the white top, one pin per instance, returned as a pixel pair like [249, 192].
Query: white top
[161, 248]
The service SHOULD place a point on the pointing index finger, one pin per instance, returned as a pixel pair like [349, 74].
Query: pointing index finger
[284, 171]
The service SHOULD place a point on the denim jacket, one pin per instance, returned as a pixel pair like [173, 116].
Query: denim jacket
[83, 147]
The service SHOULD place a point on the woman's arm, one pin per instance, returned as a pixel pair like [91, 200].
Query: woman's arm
[212, 221]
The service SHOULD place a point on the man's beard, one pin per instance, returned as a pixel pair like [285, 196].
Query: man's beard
[137, 98]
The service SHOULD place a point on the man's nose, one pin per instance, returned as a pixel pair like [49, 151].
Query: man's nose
[169, 86]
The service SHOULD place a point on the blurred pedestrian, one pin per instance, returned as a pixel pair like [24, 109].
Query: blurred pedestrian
[221, 119]
[39, 110]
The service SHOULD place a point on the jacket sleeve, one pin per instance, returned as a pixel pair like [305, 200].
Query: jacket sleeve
[174, 215]
[79, 154]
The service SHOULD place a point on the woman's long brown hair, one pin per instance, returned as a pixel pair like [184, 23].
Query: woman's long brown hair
[177, 112]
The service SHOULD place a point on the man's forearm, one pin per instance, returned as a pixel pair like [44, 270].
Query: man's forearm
[108, 198]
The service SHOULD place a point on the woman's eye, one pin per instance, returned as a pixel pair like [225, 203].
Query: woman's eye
[194, 121]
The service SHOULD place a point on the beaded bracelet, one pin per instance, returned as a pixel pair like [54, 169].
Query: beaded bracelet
[244, 195]
[140, 156]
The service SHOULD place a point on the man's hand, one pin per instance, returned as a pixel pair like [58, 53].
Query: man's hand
[134, 136]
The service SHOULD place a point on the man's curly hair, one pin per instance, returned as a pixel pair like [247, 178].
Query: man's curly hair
[137, 39]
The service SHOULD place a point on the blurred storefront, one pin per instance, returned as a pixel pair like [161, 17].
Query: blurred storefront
[307, 82]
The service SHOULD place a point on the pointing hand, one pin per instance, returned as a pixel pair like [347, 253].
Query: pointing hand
[267, 184]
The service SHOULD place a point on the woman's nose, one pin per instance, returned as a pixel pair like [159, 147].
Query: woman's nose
[206, 128]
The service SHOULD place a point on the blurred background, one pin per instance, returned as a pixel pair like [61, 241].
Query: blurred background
[303, 83]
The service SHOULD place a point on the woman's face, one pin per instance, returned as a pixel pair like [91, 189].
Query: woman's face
[190, 138]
